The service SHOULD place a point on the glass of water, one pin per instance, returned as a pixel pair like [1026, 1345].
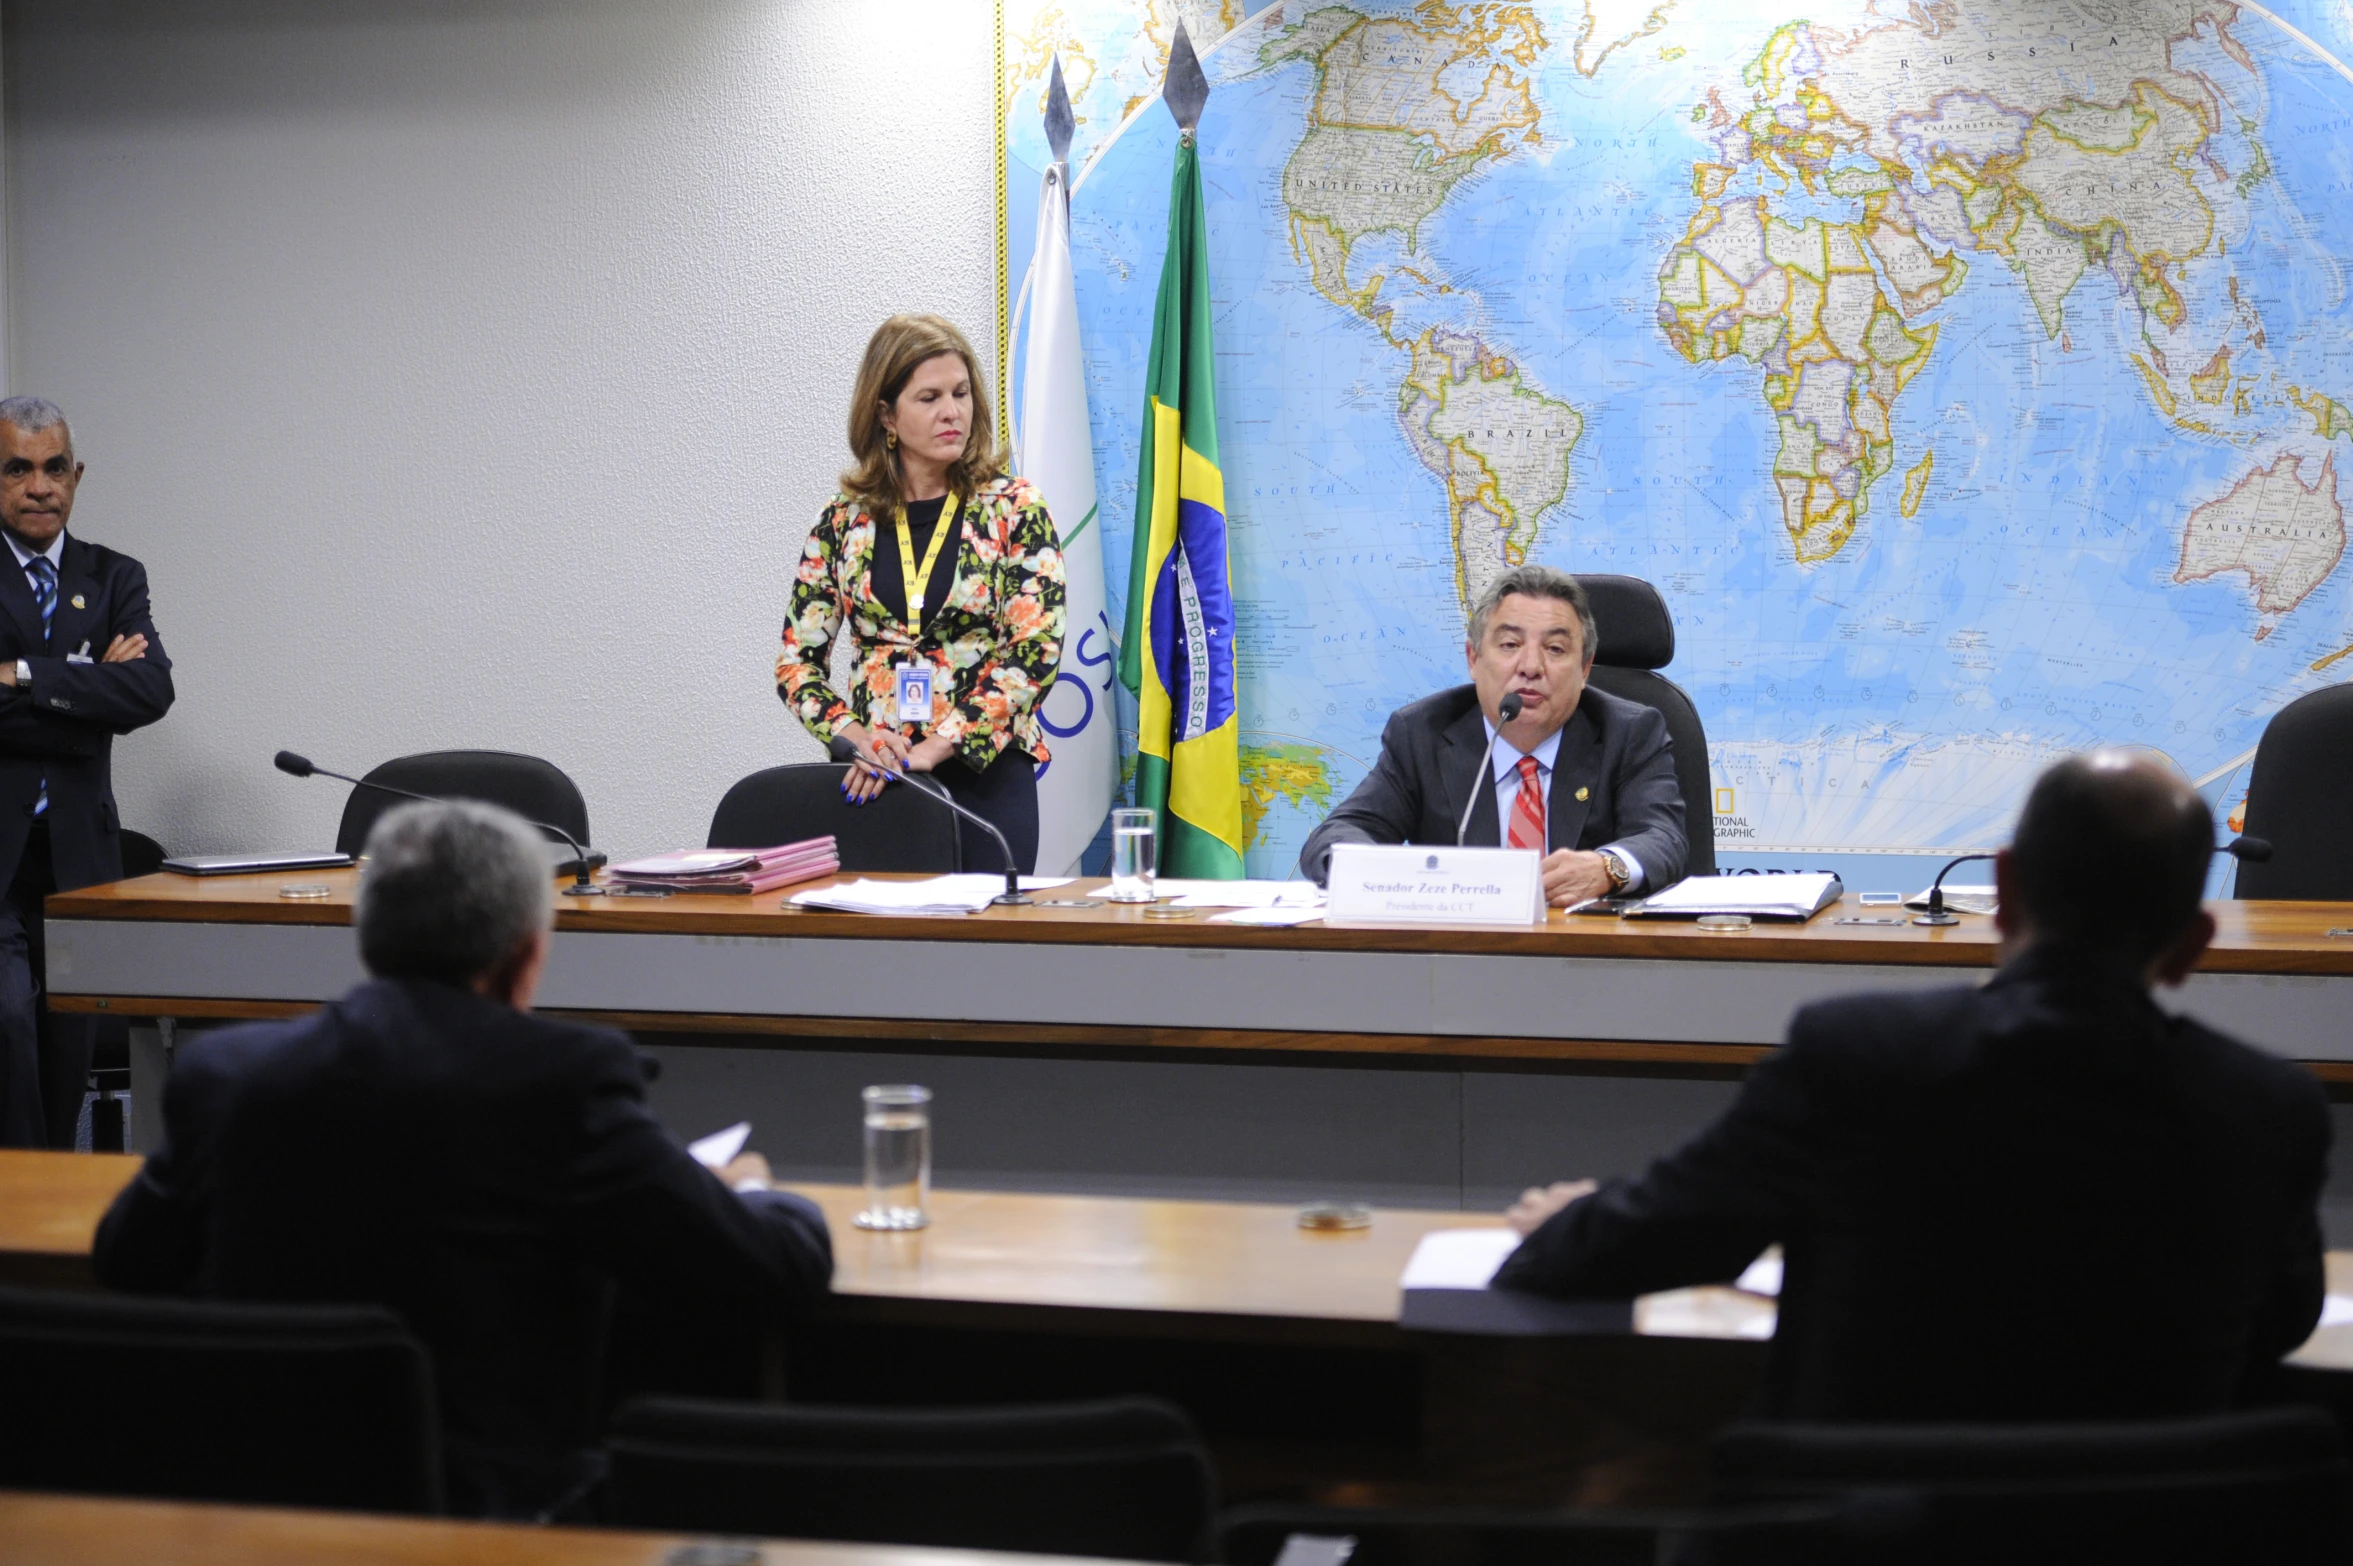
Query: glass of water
[898, 1157]
[1131, 857]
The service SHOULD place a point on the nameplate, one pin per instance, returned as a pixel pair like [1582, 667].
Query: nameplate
[1376, 882]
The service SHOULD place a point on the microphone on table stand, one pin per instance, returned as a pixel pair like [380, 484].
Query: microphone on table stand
[1505, 710]
[1013, 896]
[303, 767]
[2246, 850]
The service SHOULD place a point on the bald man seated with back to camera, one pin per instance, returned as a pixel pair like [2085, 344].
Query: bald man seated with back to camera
[2039, 1199]
[428, 1144]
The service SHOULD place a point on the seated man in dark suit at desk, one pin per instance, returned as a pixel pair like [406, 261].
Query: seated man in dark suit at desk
[1603, 808]
[426, 1143]
[2039, 1199]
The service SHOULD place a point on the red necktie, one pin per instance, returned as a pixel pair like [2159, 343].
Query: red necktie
[1527, 809]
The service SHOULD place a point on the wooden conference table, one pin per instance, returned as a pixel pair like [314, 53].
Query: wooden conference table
[58, 1530]
[1284, 1343]
[1606, 993]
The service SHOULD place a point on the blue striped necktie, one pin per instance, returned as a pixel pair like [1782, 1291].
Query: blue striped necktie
[43, 576]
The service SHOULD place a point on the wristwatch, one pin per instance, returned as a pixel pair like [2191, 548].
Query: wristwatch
[24, 675]
[1620, 876]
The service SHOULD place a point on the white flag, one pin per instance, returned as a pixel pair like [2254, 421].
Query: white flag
[1056, 452]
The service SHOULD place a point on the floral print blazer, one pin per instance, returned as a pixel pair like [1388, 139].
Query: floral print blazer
[994, 645]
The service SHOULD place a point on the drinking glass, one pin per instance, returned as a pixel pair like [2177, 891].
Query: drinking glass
[1131, 857]
[898, 1157]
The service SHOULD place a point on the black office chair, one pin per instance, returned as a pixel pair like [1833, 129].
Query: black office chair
[276, 1405]
[2267, 1485]
[1637, 640]
[2297, 798]
[534, 789]
[1125, 1478]
[901, 830]
[110, 1045]
[1513, 1536]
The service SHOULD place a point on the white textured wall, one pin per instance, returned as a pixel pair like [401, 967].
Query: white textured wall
[467, 374]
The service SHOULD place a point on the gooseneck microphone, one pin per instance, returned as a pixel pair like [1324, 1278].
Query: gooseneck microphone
[2246, 850]
[1013, 896]
[302, 767]
[1505, 710]
[1937, 912]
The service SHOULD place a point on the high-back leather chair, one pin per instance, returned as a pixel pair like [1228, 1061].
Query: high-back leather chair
[534, 789]
[1637, 640]
[2300, 797]
[277, 1405]
[2267, 1485]
[902, 829]
[1124, 1478]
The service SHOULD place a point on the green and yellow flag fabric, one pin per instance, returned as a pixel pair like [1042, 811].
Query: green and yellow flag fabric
[1177, 655]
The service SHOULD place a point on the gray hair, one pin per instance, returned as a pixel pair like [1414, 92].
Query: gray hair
[35, 414]
[1535, 581]
[451, 891]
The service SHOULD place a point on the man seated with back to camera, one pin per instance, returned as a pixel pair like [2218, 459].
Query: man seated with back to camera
[2039, 1199]
[1605, 810]
[428, 1144]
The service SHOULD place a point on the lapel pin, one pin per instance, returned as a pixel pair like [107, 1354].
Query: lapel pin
[78, 604]
[1583, 794]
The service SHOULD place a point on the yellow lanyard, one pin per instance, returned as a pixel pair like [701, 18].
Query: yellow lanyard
[919, 577]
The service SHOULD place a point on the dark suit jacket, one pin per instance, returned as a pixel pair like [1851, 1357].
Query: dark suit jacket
[65, 724]
[2042, 1199]
[1432, 754]
[487, 1173]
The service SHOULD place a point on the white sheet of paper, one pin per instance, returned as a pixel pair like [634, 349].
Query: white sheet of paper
[1975, 897]
[1779, 895]
[2336, 1311]
[1274, 916]
[939, 894]
[718, 1150]
[1458, 1258]
[1763, 1275]
[1243, 894]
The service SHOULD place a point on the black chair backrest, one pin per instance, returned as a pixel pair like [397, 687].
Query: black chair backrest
[900, 831]
[2269, 1484]
[1637, 639]
[2298, 798]
[1125, 1478]
[279, 1405]
[534, 789]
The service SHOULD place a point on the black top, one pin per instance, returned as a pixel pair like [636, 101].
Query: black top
[488, 1173]
[2041, 1199]
[890, 576]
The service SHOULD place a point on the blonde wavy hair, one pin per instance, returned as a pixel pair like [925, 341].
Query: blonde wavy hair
[892, 354]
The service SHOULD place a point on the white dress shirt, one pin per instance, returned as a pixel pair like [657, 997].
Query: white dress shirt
[54, 554]
[1507, 790]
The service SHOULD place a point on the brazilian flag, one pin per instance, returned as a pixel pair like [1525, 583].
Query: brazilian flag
[1177, 654]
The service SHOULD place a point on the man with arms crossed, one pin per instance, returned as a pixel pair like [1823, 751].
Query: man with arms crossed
[428, 1144]
[1584, 778]
[79, 663]
[2040, 1199]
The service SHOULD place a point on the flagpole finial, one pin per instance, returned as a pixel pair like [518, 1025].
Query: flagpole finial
[1060, 122]
[1184, 89]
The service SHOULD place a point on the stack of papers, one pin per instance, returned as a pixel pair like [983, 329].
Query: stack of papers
[737, 870]
[940, 894]
[1757, 896]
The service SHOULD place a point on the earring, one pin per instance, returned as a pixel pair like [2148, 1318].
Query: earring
[890, 438]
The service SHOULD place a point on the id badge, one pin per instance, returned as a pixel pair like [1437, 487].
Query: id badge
[914, 693]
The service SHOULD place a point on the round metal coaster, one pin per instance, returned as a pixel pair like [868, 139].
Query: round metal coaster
[1164, 911]
[1335, 1215]
[1070, 902]
[1723, 921]
[306, 891]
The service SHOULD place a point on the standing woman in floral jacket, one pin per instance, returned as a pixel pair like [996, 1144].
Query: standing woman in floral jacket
[945, 678]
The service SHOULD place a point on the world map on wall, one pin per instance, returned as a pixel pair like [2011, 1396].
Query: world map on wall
[1973, 378]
